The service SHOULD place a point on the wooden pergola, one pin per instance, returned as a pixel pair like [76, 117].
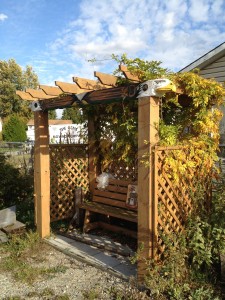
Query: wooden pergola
[103, 90]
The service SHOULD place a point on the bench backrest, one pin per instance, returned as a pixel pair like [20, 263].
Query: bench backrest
[115, 194]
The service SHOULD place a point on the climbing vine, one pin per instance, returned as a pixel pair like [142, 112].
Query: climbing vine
[191, 118]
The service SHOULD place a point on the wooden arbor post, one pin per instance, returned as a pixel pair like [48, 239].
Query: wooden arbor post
[42, 174]
[148, 119]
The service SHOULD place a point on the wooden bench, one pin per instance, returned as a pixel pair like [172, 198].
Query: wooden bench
[110, 202]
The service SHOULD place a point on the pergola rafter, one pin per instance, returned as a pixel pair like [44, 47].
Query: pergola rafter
[106, 79]
[89, 84]
[51, 90]
[69, 88]
[128, 74]
[26, 96]
[40, 94]
[82, 85]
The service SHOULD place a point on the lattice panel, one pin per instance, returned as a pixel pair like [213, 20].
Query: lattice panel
[69, 170]
[174, 199]
[120, 170]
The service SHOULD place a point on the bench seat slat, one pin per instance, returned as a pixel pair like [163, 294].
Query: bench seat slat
[112, 211]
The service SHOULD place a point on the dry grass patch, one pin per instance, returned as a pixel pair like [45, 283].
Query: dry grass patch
[26, 256]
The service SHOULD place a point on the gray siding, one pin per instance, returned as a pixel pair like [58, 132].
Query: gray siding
[215, 70]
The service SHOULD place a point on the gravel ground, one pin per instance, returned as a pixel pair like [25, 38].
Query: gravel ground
[76, 280]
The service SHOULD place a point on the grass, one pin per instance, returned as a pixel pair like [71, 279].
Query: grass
[91, 294]
[45, 294]
[129, 292]
[22, 254]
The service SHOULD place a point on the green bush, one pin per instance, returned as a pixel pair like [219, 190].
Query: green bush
[16, 188]
[189, 266]
[14, 129]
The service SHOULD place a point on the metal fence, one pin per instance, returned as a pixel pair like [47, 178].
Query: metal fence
[19, 154]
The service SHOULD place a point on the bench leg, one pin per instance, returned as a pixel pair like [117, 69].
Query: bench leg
[87, 219]
[87, 222]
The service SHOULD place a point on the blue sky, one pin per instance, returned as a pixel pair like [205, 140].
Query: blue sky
[58, 37]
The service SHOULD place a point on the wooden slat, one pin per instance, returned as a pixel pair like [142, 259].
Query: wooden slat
[50, 90]
[89, 84]
[116, 184]
[38, 94]
[128, 74]
[106, 78]
[108, 201]
[106, 194]
[120, 182]
[25, 96]
[116, 212]
[114, 188]
[69, 87]
[117, 229]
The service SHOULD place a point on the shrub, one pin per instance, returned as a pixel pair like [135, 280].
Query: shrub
[188, 267]
[16, 188]
[14, 129]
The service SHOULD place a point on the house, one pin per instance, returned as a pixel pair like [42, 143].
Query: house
[60, 131]
[212, 65]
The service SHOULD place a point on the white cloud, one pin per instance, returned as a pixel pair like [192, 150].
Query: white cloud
[3, 17]
[217, 7]
[175, 32]
[199, 10]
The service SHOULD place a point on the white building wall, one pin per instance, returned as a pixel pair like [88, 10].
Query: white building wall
[65, 134]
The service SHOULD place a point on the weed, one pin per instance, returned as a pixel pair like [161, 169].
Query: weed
[48, 293]
[127, 293]
[13, 298]
[21, 250]
[62, 297]
[91, 294]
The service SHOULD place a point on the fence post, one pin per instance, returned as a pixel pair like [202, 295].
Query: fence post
[42, 174]
[148, 119]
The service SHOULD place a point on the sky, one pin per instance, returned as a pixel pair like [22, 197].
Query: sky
[58, 38]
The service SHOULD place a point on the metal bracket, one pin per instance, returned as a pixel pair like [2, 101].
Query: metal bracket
[35, 106]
